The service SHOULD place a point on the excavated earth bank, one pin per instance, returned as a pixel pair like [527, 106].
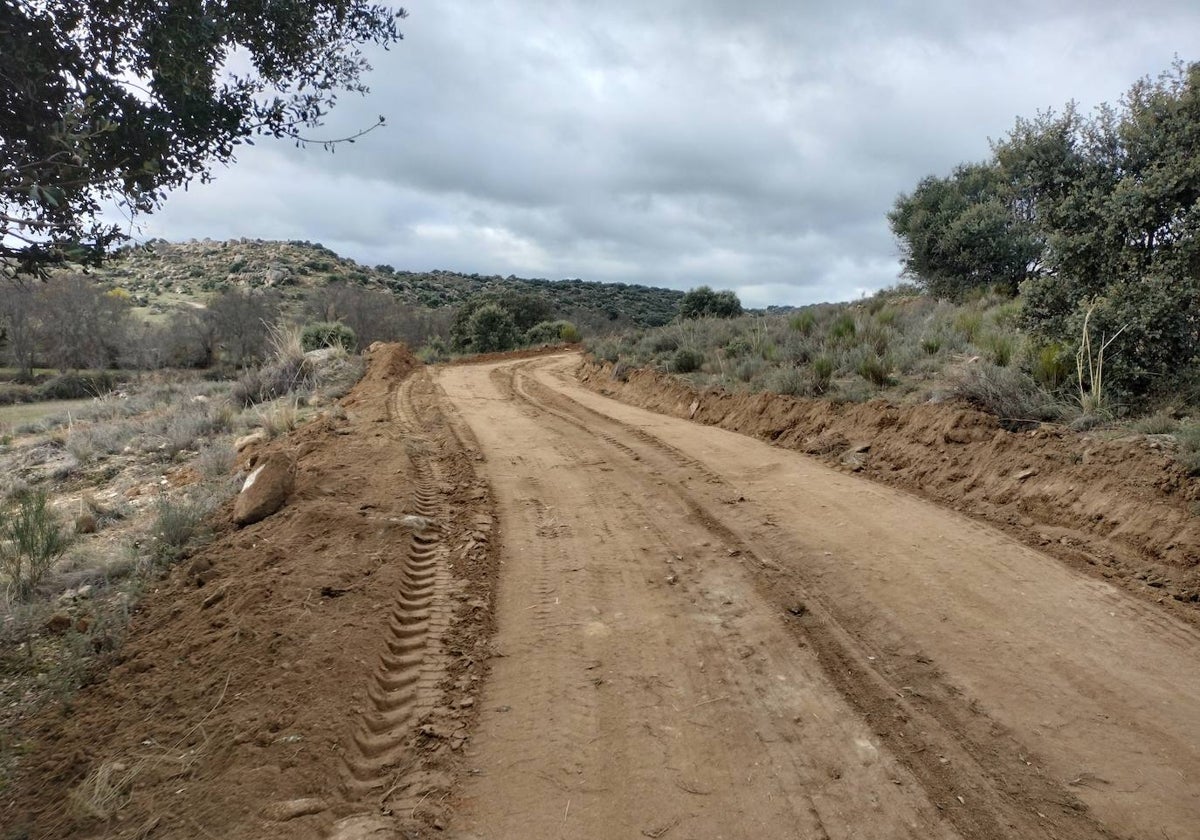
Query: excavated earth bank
[1122, 508]
[311, 675]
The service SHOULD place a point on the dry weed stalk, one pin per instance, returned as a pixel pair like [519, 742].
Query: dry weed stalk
[281, 418]
[108, 788]
[1091, 398]
[285, 341]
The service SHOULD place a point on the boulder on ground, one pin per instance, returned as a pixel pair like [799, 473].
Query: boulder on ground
[266, 490]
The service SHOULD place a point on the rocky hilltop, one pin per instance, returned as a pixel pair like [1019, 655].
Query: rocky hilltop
[162, 275]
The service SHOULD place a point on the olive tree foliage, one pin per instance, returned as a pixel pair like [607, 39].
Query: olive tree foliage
[1109, 205]
[703, 302]
[965, 232]
[522, 311]
[120, 101]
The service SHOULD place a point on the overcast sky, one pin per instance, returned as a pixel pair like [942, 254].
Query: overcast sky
[754, 145]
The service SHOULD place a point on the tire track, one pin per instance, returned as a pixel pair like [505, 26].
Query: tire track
[403, 744]
[405, 681]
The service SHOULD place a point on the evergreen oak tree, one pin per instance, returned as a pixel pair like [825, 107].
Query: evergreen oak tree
[122, 100]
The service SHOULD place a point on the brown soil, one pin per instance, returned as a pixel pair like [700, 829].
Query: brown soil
[707, 635]
[1124, 509]
[621, 623]
[304, 670]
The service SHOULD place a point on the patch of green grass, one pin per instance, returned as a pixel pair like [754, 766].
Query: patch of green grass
[24, 414]
[876, 369]
[842, 327]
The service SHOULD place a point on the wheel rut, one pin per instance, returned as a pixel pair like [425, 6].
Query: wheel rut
[951, 747]
[643, 689]
[402, 749]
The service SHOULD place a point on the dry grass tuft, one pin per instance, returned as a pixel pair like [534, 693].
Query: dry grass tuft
[280, 417]
[105, 790]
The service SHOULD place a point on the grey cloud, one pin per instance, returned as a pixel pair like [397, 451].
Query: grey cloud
[755, 146]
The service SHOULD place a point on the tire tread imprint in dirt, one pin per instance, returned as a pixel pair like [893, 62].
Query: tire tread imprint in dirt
[235, 701]
[391, 760]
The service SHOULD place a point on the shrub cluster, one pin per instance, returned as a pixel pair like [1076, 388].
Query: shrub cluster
[317, 336]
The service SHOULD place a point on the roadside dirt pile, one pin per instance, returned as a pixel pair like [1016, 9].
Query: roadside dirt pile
[309, 674]
[1121, 507]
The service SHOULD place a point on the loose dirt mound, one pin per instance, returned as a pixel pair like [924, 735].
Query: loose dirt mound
[1121, 507]
[313, 666]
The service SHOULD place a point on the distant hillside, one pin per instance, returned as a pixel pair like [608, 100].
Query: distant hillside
[162, 276]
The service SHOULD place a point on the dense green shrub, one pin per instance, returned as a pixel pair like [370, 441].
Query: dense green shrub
[1051, 365]
[1000, 347]
[875, 369]
[804, 322]
[552, 332]
[491, 329]
[328, 334]
[434, 351]
[686, 360]
[843, 327]
[1096, 216]
[703, 302]
[520, 310]
[822, 372]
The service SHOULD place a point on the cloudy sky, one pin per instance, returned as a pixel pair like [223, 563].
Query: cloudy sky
[755, 145]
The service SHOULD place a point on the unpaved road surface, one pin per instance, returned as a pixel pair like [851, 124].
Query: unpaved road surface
[500, 606]
[704, 636]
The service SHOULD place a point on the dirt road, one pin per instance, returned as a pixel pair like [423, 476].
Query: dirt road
[704, 636]
[696, 635]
